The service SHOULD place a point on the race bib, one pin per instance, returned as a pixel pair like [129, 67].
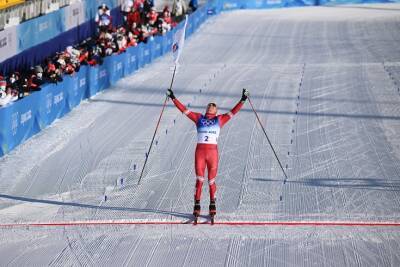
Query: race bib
[208, 130]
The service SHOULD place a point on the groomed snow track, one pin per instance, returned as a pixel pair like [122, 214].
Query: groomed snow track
[325, 82]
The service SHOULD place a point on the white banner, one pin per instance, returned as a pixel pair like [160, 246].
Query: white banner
[8, 43]
[74, 15]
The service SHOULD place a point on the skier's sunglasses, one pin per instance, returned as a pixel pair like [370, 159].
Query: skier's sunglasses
[212, 105]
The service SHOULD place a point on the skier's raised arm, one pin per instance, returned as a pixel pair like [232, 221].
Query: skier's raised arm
[227, 116]
[194, 116]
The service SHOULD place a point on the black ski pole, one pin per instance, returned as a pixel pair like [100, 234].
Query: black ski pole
[155, 132]
[273, 150]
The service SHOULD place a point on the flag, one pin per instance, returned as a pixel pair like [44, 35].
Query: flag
[178, 42]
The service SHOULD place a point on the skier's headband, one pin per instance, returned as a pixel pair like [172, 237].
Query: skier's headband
[212, 104]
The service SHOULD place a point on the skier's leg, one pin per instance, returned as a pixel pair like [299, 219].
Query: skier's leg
[212, 167]
[200, 166]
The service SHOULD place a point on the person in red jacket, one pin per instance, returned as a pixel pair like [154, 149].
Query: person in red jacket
[134, 17]
[206, 155]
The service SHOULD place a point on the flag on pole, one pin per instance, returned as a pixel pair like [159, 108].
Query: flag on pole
[178, 42]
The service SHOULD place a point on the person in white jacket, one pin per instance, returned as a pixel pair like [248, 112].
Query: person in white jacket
[7, 97]
[179, 9]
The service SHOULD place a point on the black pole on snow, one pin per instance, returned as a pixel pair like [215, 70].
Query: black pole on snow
[269, 141]
[155, 131]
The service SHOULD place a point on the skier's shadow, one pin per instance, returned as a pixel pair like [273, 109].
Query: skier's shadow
[352, 183]
[88, 206]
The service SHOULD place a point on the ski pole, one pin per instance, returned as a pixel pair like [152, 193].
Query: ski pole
[273, 150]
[155, 132]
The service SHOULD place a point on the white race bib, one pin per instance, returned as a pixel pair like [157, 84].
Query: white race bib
[208, 130]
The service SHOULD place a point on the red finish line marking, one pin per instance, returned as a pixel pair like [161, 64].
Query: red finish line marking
[223, 223]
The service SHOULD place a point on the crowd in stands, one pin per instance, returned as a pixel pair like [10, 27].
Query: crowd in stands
[141, 21]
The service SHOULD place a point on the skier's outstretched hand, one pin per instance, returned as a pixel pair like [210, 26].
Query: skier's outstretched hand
[245, 94]
[170, 94]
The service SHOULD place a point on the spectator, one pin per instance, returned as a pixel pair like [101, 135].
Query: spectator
[126, 8]
[15, 83]
[121, 40]
[179, 9]
[9, 96]
[38, 78]
[103, 18]
[132, 39]
[3, 85]
[138, 5]
[147, 6]
[53, 73]
[35, 80]
[166, 16]
[134, 17]
[94, 56]
[152, 17]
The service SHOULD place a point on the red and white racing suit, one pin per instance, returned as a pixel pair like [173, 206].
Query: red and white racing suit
[206, 155]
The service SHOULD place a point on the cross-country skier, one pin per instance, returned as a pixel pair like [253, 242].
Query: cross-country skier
[206, 155]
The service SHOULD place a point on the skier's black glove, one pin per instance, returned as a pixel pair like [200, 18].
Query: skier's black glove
[170, 94]
[245, 95]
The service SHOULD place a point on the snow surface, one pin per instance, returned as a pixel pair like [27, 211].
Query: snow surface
[325, 82]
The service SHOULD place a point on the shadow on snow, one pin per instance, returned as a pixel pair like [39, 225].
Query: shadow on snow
[89, 206]
[350, 183]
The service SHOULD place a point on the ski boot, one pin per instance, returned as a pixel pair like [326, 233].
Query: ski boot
[196, 211]
[213, 210]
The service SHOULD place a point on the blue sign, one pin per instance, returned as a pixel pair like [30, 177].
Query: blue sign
[77, 87]
[131, 60]
[39, 30]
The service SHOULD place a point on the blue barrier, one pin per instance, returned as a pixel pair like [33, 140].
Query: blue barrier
[19, 122]
[31, 42]
[52, 103]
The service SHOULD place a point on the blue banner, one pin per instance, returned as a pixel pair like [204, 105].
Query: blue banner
[167, 42]
[93, 81]
[131, 60]
[39, 30]
[77, 86]
[103, 80]
[155, 47]
[146, 53]
[115, 68]
[19, 122]
[52, 105]
[140, 58]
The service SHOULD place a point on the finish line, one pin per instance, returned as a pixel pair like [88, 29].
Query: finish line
[222, 223]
